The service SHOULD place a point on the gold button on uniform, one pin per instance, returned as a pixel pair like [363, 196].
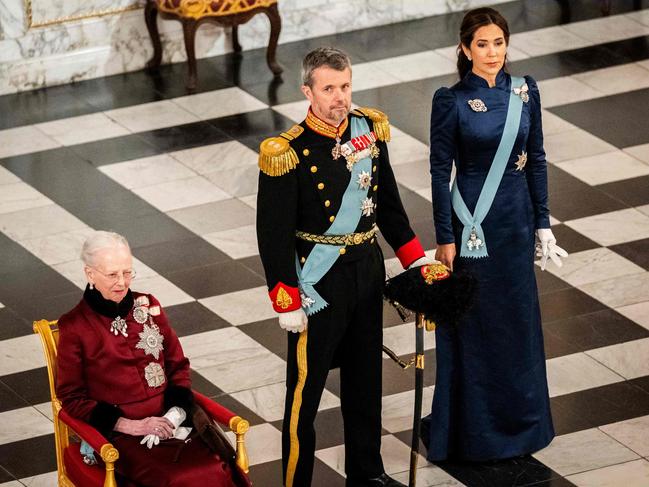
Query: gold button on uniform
[320, 185]
[376, 186]
[332, 218]
[327, 203]
[374, 168]
[306, 152]
[315, 168]
[342, 251]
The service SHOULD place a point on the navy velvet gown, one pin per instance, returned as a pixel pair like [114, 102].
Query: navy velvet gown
[491, 394]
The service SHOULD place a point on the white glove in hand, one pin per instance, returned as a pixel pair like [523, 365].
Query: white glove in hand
[176, 416]
[547, 247]
[421, 261]
[294, 321]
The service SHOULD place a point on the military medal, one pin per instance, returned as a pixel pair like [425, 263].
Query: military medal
[367, 206]
[522, 160]
[336, 152]
[119, 325]
[140, 314]
[364, 180]
[358, 148]
[474, 243]
[154, 374]
[151, 340]
[477, 105]
[306, 301]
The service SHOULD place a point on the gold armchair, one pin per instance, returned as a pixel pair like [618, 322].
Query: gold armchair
[72, 471]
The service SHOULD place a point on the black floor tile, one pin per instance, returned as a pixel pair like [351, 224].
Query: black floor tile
[120, 90]
[39, 450]
[269, 473]
[191, 318]
[185, 254]
[269, 334]
[12, 325]
[14, 257]
[261, 123]
[581, 203]
[329, 428]
[595, 330]
[9, 399]
[633, 192]
[204, 386]
[618, 119]
[425, 230]
[239, 409]
[5, 476]
[641, 383]
[117, 149]
[567, 303]
[184, 136]
[636, 251]
[557, 347]
[169, 81]
[417, 207]
[598, 406]
[548, 283]
[559, 181]
[254, 264]
[505, 473]
[214, 279]
[572, 241]
[396, 379]
[31, 385]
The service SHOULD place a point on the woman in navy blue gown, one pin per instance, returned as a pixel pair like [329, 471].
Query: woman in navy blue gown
[491, 394]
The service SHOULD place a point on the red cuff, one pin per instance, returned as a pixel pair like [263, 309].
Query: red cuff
[285, 298]
[410, 252]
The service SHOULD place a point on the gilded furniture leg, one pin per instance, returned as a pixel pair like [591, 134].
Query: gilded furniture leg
[236, 46]
[239, 427]
[189, 30]
[275, 28]
[150, 16]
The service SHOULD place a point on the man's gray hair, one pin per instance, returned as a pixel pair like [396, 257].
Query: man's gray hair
[323, 56]
[101, 240]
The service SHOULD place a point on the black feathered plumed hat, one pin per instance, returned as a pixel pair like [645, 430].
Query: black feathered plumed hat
[441, 296]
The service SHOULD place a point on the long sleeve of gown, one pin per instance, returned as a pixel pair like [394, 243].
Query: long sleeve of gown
[536, 169]
[443, 143]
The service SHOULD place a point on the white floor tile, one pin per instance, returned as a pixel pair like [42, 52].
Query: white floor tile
[366, 76]
[59, 248]
[619, 291]
[216, 347]
[429, 475]
[616, 79]
[629, 359]
[148, 171]
[413, 175]
[85, 128]
[237, 242]
[548, 40]
[582, 451]
[20, 354]
[245, 372]
[405, 148]
[20, 196]
[420, 65]
[590, 265]
[401, 339]
[7, 177]
[24, 423]
[641, 16]
[242, 307]
[181, 193]
[638, 312]
[632, 433]
[39, 222]
[565, 90]
[263, 443]
[219, 103]
[44, 480]
[640, 152]
[397, 409]
[24, 140]
[151, 116]
[217, 157]
[73, 272]
[605, 168]
[215, 217]
[251, 201]
[629, 474]
[577, 372]
[553, 124]
[574, 144]
[167, 293]
[296, 110]
[238, 182]
[608, 29]
[614, 227]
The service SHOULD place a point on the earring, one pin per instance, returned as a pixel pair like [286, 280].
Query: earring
[469, 58]
[92, 286]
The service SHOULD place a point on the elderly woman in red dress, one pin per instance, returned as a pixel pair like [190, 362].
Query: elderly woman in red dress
[122, 369]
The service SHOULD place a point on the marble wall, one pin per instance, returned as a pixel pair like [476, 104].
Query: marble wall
[51, 47]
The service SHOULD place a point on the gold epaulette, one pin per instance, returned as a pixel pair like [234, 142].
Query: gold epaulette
[380, 121]
[276, 156]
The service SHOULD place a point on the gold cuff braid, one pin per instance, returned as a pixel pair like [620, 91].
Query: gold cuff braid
[348, 239]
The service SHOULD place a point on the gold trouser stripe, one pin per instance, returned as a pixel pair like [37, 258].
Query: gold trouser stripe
[294, 452]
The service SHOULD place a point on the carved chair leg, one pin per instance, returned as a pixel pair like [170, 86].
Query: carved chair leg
[236, 46]
[275, 28]
[189, 30]
[150, 17]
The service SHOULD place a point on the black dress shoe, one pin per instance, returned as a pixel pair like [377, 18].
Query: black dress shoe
[382, 481]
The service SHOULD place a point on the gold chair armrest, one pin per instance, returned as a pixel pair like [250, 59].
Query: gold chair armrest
[239, 427]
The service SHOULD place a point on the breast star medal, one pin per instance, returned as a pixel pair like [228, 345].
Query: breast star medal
[119, 325]
[522, 160]
[367, 206]
[151, 341]
[364, 180]
[154, 374]
[477, 105]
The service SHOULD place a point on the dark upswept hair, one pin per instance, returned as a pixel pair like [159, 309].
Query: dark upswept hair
[472, 21]
[323, 56]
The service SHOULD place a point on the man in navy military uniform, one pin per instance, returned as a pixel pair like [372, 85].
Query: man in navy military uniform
[325, 188]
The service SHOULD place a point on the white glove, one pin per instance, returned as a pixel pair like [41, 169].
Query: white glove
[421, 261]
[547, 247]
[176, 416]
[294, 321]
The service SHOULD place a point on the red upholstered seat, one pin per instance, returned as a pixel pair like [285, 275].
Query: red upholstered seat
[80, 473]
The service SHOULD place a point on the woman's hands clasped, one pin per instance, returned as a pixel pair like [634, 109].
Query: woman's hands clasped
[153, 425]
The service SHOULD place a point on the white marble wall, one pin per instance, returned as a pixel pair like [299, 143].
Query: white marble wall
[76, 50]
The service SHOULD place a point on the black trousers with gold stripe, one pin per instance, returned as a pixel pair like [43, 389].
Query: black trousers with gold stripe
[348, 331]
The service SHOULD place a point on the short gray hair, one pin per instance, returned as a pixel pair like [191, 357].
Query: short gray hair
[323, 56]
[101, 240]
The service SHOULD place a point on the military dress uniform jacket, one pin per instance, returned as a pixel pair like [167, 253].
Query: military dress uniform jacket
[103, 376]
[301, 187]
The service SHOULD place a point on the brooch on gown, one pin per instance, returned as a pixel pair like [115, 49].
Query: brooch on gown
[522, 160]
[141, 309]
[119, 325]
[523, 92]
[151, 340]
[154, 374]
[477, 105]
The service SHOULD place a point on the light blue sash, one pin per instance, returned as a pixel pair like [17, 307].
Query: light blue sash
[472, 223]
[323, 256]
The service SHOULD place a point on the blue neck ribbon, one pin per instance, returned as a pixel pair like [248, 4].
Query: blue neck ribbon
[472, 233]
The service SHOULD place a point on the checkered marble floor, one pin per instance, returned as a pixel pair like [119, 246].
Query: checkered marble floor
[177, 175]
